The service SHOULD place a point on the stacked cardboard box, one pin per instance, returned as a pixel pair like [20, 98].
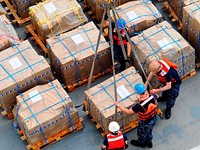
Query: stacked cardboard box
[43, 111]
[21, 69]
[101, 97]
[163, 41]
[177, 6]
[191, 26]
[139, 15]
[72, 53]
[22, 6]
[52, 17]
[8, 35]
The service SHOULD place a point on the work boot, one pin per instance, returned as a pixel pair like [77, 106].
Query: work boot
[149, 144]
[137, 143]
[168, 113]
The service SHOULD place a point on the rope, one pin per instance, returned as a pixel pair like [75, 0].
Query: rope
[112, 54]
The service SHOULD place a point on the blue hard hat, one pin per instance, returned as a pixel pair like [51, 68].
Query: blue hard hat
[121, 24]
[140, 88]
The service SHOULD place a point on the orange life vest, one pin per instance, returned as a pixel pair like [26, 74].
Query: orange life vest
[116, 142]
[151, 110]
[166, 64]
[116, 38]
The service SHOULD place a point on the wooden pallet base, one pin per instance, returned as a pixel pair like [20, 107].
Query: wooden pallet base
[70, 88]
[172, 15]
[38, 40]
[55, 138]
[12, 11]
[193, 73]
[5, 114]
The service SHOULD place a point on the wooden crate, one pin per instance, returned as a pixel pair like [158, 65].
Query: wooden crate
[12, 11]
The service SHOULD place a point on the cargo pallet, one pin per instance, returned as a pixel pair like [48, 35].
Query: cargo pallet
[174, 18]
[71, 87]
[5, 114]
[38, 40]
[191, 74]
[12, 11]
[54, 138]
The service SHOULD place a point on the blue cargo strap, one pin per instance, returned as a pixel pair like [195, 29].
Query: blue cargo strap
[45, 140]
[71, 54]
[103, 88]
[67, 109]
[97, 56]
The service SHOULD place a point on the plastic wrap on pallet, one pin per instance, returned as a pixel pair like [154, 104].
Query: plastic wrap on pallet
[8, 35]
[160, 41]
[101, 97]
[22, 6]
[139, 15]
[177, 6]
[21, 68]
[191, 26]
[2, 10]
[53, 17]
[44, 111]
[72, 54]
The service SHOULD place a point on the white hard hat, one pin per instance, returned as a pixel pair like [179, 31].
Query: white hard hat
[113, 126]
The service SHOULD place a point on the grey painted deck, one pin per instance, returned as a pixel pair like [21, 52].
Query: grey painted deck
[180, 132]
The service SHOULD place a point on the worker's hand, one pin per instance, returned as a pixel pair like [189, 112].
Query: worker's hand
[154, 91]
[116, 103]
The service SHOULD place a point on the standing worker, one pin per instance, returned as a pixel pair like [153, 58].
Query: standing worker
[118, 53]
[115, 140]
[146, 109]
[168, 76]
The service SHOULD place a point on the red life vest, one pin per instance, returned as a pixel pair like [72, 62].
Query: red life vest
[151, 110]
[116, 142]
[166, 64]
[116, 39]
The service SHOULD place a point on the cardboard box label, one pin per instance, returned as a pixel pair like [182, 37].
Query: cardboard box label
[164, 44]
[123, 92]
[132, 16]
[35, 96]
[77, 39]
[15, 63]
[50, 7]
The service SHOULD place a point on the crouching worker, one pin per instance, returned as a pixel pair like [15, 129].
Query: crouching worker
[115, 140]
[146, 109]
[168, 76]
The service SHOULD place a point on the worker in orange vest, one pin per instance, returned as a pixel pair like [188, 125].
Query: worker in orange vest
[168, 76]
[115, 140]
[146, 109]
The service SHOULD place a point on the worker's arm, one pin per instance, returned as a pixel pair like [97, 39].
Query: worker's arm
[127, 111]
[164, 88]
[150, 76]
[128, 49]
